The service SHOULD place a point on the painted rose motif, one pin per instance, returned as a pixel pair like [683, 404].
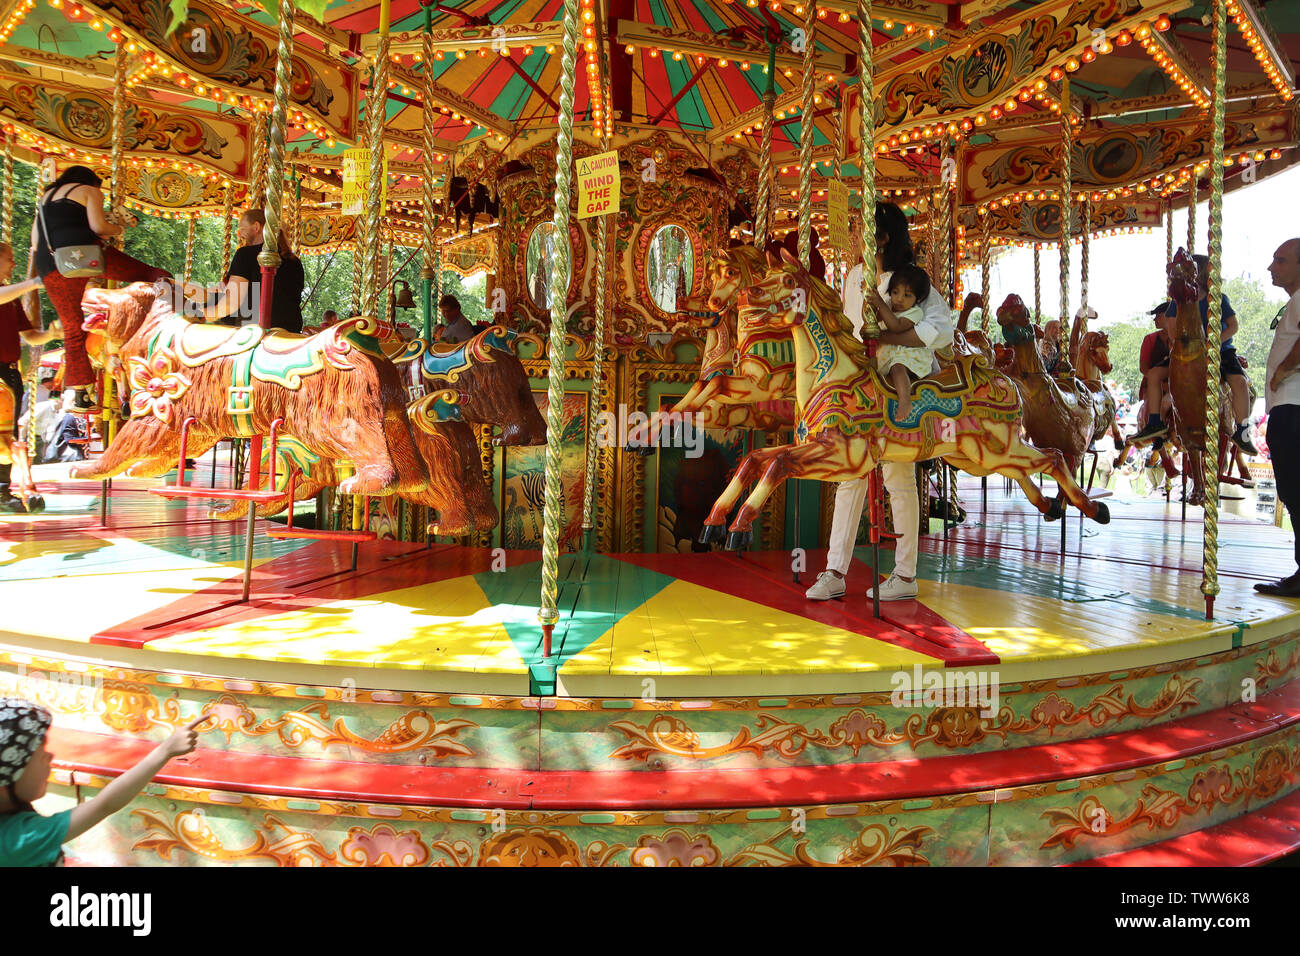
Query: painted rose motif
[156, 384]
[229, 716]
[857, 728]
[384, 846]
[675, 848]
[1210, 786]
[1052, 710]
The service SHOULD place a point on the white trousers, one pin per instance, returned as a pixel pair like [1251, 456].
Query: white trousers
[900, 479]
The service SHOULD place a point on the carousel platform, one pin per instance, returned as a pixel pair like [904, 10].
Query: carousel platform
[1033, 707]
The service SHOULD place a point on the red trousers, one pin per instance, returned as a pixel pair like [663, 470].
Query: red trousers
[65, 295]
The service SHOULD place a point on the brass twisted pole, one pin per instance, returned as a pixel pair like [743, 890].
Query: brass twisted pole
[293, 207]
[227, 207]
[257, 161]
[1169, 231]
[1067, 185]
[188, 275]
[765, 214]
[807, 127]
[985, 241]
[549, 613]
[1210, 543]
[598, 364]
[1084, 250]
[1038, 286]
[375, 192]
[117, 163]
[7, 209]
[269, 257]
[429, 197]
[942, 251]
[841, 255]
[867, 158]
[1191, 211]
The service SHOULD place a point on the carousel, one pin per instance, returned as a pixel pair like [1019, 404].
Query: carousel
[537, 597]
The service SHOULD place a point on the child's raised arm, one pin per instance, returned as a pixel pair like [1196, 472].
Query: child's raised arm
[892, 322]
[122, 790]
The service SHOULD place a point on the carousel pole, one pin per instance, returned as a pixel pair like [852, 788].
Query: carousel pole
[838, 174]
[1038, 286]
[942, 252]
[1067, 184]
[766, 211]
[257, 162]
[7, 208]
[269, 257]
[1169, 232]
[807, 129]
[116, 210]
[375, 208]
[1210, 559]
[428, 269]
[870, 324]
[1085, 243]
[1192, 191]
[549, 614]
[985, 239]
[598, 364]
[188, 273]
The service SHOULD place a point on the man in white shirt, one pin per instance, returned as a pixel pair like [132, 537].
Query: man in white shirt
[1282, 401]
[934, 331]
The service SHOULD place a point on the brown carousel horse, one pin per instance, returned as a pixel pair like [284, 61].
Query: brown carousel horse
[967, 414]
[1058, 412]
[14, 452]
[1189, 357]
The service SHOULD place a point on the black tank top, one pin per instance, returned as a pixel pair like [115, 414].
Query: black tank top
[68, 225]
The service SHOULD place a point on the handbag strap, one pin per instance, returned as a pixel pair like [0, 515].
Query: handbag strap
[40, 211]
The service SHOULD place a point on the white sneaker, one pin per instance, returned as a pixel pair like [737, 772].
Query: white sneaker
[894, 588]
[827, 586]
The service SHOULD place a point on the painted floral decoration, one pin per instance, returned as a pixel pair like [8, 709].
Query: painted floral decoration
[156, 384]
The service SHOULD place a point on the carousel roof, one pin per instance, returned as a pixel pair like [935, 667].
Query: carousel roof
[989, 71]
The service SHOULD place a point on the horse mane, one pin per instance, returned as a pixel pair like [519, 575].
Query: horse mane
[749, 260]
[830, 309]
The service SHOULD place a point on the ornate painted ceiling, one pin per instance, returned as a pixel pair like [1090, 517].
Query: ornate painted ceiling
[990, 72]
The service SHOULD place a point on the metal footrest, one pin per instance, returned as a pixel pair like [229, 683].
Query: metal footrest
[220, 494]
[355, 537]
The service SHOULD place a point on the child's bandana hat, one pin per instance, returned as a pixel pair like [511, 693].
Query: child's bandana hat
[23, 726]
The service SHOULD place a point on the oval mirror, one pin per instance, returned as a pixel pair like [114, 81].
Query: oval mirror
[670, 267]
[539, 261]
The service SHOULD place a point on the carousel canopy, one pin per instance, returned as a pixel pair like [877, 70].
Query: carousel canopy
[992, 77]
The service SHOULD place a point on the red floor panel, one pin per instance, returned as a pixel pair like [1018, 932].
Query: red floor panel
[764, 577]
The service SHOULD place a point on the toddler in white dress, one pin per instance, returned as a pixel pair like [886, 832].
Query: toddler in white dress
[908, 288]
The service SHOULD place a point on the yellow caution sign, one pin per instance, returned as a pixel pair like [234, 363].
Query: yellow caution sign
[598, 184]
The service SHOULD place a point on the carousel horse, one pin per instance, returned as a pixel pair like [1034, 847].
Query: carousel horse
[14, 452]
[1189, 357]
[492, 384]
[967, 414]
[1059, 412]
[1091, 360]
[335, 392]
[972, 341]
[736, 390]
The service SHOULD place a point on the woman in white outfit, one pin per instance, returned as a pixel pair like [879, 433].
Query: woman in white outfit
[893, 249]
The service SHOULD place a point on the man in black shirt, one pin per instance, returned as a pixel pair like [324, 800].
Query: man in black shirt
[239, 300]
[456, 327]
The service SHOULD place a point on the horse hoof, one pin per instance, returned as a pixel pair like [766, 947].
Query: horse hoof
[1055, 511]
[35, 504]
[1103, 513]
[712, 534]
[739, 540]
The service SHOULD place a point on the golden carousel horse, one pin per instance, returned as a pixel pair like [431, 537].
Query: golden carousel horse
[14, 452]
[968, 414]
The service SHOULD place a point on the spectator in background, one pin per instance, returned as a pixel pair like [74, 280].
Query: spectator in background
[1153, 362]
[456, 328]
[329, 318]
[239, 297]
[1282, 400]
[1049, 346]
[14, 330]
